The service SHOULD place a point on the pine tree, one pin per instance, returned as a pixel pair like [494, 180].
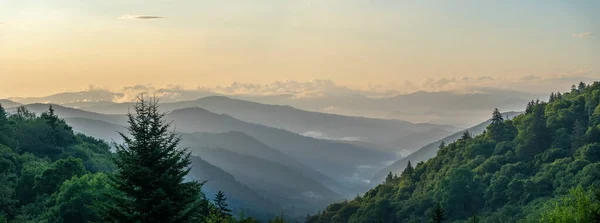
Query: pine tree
[389, 178]
[497, 118]
[221, 205]
[407, 172]
[496, 128]
[552, 97]
[474, 219]
[438, 215]
[577, 137]
[150, 173]
[466, 135]
[442, 145]
[581, 87]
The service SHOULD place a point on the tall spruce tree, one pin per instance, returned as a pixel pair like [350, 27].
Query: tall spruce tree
[438, 214]
[496, 128]
[151, 170]
[221, 205]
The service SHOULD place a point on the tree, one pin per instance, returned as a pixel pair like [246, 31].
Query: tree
[150, 172]
[474, 219]
[442, 145]
[51, 179]
[581, 87]
[466, 135]
[5, 129]
[78, 198]
[496, 128]
[578, 135]
[407, 172]
[221, 205]
[497, 118]
[437, 215]
[389, 178]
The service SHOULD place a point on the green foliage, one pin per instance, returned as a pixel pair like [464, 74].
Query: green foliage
[437, 214]
[579, 206]
[39, 155]
[79, 198]
[60, 171]
[150, 172]
[551, 153]
[221, 205]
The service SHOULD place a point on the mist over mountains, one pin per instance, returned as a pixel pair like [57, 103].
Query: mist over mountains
[275, 155]
[440, 107]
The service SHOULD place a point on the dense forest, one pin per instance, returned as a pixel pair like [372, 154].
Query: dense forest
[51, 174]
[541, 166]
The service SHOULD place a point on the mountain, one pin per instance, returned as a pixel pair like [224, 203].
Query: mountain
[540, 166]
[295, 192]
[460, 109]
[430, 150]
[66, 112]
[328, 126]
[333, 159]
[239, 196]
[94, 95]
[268, 172]
[244, 144]
[8, 104]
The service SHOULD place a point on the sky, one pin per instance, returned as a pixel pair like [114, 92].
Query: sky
[48, 47]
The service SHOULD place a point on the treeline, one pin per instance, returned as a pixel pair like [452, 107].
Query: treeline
[50, 174]
[541, 166]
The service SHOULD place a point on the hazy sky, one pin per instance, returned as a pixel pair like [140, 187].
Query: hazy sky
[66, 45]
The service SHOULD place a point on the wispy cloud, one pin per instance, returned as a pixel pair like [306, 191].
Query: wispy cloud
[582, 35]
[141, 17]
[530, 78]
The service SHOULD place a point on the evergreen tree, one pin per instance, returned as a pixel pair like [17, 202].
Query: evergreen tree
[466, 135]
[438, 214]
[497, 118]
[221, 205]
[581, 87]
[496, 128]
[150, 172]
[408, 171]
[389, 178]
[442, 145]
[5, 129]
[551, 99]
[474, 219]
[577, 137]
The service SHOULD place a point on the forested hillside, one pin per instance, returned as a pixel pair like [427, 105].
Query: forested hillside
[541, 166]
[48, 173]
[51, 174]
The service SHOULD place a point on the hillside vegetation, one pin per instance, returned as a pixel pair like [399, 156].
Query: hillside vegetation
[541, 166]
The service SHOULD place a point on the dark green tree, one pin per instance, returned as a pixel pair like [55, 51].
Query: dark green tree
[578, 135]
[581, 87]
[442, 145]
[438, 214]
[150, 172]
[497, 118]
[496, 128]
[60, 171]
[221, 205]
[466, 135]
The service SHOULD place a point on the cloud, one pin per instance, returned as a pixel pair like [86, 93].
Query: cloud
[582, 35]
[141, 17]
[529, 78]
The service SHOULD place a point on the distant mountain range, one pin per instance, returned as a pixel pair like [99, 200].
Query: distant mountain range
[8, 104]
[445, 107]
[320, 125]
